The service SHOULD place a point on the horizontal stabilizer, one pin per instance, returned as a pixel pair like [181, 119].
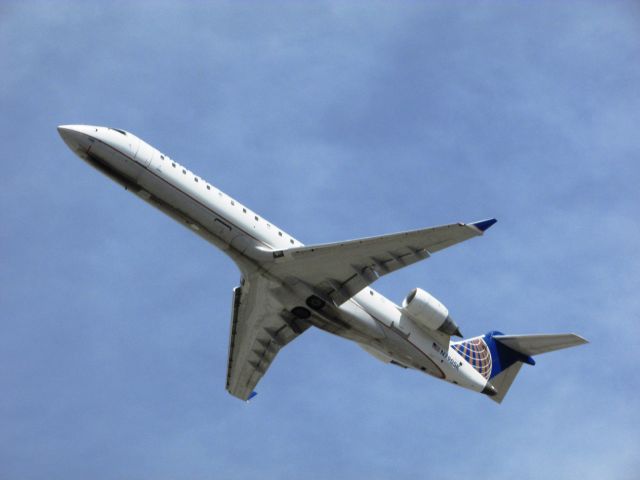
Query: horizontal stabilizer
[542, 343]
[499, 357]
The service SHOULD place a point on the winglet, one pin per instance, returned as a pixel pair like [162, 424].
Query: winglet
[484, 225]
[253, 394]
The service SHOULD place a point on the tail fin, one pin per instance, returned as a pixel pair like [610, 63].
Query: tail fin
[498, 357]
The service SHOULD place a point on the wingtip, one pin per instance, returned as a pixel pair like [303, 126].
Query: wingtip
[580, 339]
[484, 225]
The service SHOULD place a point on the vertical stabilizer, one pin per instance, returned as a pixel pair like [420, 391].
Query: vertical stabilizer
[502, 382]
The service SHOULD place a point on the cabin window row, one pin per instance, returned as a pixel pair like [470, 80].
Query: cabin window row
[244, 210]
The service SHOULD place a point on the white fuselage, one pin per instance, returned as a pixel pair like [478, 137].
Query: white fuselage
[376, 323]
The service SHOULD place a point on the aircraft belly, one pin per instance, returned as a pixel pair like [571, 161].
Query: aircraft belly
[410, 351]
[350, 320]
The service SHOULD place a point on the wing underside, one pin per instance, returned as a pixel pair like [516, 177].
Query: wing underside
[340, 270]
[259, 329]
[260, 326]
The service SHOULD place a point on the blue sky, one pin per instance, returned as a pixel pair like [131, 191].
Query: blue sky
[334, 121]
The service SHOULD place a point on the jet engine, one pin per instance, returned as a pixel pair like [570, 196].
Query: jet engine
[426, 311]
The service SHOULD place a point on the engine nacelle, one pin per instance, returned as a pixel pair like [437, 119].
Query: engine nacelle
[429, 313]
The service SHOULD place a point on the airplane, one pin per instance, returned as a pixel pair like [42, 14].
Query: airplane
[287, 287]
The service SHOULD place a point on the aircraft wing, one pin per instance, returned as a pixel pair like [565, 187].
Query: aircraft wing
[259, 329]
[340, 270]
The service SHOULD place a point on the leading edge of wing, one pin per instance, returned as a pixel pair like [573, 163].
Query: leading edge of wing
[342, 269]
[474, 228]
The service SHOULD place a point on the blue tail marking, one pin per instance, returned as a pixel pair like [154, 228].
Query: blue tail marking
[502, 357]
[484, 225]
[488, 356]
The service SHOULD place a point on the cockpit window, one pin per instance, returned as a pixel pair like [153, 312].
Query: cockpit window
[119, 131]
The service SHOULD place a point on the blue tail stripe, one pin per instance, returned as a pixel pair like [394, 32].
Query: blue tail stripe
[502, 357]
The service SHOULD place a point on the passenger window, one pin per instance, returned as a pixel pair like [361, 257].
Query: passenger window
[162, 156]
[232, 202]
[291, 240]
[184, 171]
[280, 233]
[244, 210]
[257, 219]
[195, 179]
[208, 187]
[173, 164]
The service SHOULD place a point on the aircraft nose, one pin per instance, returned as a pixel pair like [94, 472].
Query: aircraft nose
[75, 137]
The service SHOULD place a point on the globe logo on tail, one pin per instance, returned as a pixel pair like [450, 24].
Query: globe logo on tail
[477, 354]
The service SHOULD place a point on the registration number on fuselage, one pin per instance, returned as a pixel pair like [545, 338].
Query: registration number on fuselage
[445, 356]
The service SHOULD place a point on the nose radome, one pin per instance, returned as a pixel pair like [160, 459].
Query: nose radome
[86, 129]
[75, 136]
[69, 135]
[65, 130]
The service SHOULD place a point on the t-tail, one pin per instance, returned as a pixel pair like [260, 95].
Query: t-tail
[499, 357]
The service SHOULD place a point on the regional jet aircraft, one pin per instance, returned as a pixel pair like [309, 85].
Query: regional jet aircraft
[288, 287]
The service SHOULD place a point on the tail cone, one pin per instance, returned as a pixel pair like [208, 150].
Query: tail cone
[490, 390]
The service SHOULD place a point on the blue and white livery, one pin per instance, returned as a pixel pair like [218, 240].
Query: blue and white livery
[288, 287]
